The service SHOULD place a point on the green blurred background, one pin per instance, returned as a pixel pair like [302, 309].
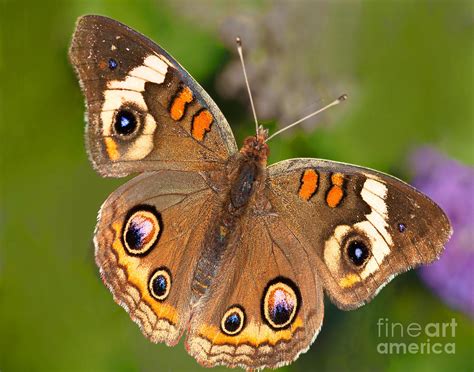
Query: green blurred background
[408, 69]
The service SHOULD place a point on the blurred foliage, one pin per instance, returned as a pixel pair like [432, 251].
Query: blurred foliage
[412, 67]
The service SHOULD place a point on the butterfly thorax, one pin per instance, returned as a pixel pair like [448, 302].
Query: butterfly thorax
[255, 148]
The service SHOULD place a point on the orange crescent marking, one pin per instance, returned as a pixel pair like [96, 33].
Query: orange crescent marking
[309, 184]
[349, 280]
[335, 194]
[111, 148]
[337, 179]
[253, 334]
[134, 269]
[179, 103]
[201, 124]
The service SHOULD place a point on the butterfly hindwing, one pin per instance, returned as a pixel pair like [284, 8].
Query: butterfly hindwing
[145, 112]
[148, 240]
[266, 306]
[363, 226]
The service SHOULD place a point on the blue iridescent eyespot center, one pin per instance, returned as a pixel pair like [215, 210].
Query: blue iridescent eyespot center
[402, 227]
[160, 284]
[135, 236]
[125, 122]
[280, 303]
[357, 252]
[141, 230]
[233, 320]
[112, 64]
[281, 311]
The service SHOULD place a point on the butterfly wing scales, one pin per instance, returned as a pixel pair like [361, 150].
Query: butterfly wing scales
[177, 125]
[402, 227]
[182, 201]
[263, 251]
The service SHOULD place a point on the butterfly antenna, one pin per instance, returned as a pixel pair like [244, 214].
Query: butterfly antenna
[333, 103]
[241, 55]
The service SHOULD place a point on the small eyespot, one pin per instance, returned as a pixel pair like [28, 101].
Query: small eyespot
[357, 252]
[125, 122]
[402, 227]
[280, 303]
[142, 230]
[160, 284]
[112, 64]
[233, 320]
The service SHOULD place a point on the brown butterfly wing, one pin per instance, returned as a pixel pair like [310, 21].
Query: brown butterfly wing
[147, 242]
[267, 277]
[361, 227]
[145, 112]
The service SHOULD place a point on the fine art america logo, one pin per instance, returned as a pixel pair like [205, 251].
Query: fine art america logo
[416, 338]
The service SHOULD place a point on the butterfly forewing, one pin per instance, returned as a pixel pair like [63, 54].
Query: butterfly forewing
[363, 226]
[145, 112]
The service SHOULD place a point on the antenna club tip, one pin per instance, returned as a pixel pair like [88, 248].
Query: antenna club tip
[238, 40]
[342, 98]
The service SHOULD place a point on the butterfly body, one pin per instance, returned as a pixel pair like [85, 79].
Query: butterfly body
[210, 241]
[244, 174]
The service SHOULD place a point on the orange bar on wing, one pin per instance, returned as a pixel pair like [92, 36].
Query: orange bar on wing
[337, 179]
[201, 124]
[309, 184]
[335, 194]
[111, 148]
[179, 103]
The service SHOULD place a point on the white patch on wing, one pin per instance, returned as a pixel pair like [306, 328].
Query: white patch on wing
[375, 227]
[147, 74]
[159, 64]
[113, 100]
[378, 246]
[129, 90]
[381, 224]
[153, 70]
[374, 193]
[130, 83]
[376, 201]
[163, 58]
[376, 187]
[143, 145]
[332, 248]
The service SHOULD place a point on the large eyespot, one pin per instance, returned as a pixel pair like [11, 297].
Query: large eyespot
[125, 122]
[142, 230]
[357, 252]
[160, 284]
[233, 320]
[280, 303]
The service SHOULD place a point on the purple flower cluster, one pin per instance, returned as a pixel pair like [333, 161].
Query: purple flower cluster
[451, 185]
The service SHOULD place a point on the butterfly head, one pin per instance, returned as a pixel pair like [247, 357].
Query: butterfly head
[254, 147]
